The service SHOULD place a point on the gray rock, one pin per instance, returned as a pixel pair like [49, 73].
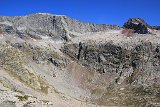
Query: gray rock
[55, 26]
[8, 104]
[143, 59]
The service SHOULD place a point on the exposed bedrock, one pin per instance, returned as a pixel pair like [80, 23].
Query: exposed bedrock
[137, 65]
[55, 26]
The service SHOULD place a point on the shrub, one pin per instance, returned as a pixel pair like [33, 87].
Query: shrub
[23, 98]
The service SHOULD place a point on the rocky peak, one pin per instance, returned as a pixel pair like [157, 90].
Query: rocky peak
[138, 25]
[44, 24]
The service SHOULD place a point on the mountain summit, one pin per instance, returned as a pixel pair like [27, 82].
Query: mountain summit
[57, 26]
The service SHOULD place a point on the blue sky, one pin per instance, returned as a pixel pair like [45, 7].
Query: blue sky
[96, 11]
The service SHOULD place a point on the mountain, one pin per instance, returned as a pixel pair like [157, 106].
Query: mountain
[57, 26]
[49, 60]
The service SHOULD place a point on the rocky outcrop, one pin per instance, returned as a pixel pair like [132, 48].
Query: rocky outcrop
[131, 70]
[6, 28]
[155, 27]
[141, 60]
[138, 25]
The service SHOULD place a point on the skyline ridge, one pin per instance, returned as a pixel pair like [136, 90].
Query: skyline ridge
[43, 13]
[96, 11]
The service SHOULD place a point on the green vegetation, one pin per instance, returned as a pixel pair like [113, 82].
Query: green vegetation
[11, 59]
[14, 61]
[23, 98]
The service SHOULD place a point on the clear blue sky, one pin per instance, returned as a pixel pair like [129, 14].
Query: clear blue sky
[97, 11]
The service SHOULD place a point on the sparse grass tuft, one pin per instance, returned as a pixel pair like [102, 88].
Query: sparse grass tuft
[23, 98]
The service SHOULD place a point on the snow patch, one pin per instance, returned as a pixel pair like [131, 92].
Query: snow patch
[49, 14]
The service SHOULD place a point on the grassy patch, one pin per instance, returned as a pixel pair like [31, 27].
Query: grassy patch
[14, 61]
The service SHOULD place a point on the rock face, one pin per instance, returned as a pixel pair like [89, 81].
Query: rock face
[137, 24]
[56, 26]
[137, 67]
[139, 61]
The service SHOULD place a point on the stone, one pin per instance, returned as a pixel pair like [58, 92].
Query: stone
[8, 104]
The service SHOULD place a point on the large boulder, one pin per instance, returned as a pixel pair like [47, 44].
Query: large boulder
[138, 25]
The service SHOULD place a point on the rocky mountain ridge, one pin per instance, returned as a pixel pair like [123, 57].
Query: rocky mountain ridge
[56, 61]
[57, 26]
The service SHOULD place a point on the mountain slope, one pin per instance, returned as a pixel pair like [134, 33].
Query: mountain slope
[56, 61]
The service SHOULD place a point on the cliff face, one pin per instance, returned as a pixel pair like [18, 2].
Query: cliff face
[141, 62]
[56, 26]
[128, 72]
[54, 60]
